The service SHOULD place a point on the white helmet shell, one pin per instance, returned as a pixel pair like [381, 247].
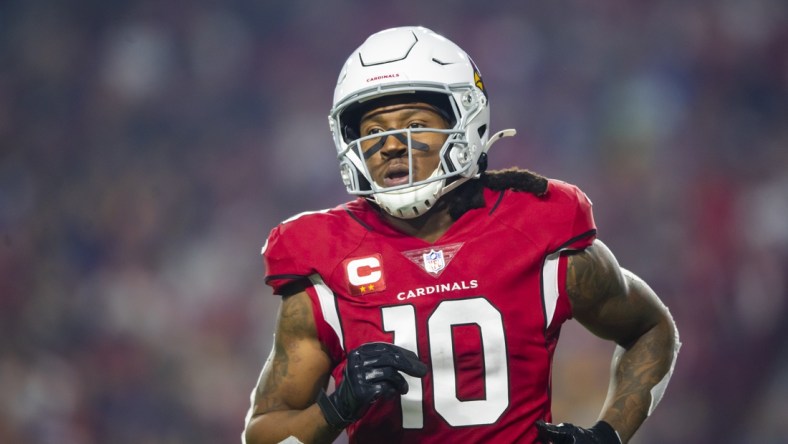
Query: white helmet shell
[412, 60]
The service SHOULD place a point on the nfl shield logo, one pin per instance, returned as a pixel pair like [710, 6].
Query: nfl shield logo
[434, 262]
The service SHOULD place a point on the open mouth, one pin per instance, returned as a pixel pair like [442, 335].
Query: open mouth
[396, 175]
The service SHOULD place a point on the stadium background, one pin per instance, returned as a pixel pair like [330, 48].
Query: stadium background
[147, 148]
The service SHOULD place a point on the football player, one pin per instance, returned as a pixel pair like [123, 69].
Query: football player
[435, 298]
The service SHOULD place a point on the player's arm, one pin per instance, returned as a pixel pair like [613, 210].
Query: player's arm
[615, 304]
[295, 373]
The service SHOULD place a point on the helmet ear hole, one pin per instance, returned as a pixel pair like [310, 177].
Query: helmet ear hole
[482, 131]
[458, 159]
[448, 161]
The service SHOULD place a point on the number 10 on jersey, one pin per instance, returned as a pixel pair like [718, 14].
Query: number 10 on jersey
[401, 321]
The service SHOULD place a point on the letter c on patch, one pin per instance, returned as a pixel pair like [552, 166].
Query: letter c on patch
[364, 271]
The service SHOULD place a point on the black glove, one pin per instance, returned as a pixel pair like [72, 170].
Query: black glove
[565, 433]
[371, 372]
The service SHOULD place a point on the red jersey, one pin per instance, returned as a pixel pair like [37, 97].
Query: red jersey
[482, 307]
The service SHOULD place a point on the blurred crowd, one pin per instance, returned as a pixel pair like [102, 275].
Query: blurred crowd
[147, 148]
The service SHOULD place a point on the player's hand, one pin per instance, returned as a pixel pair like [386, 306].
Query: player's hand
[565, 433]
[371, 373]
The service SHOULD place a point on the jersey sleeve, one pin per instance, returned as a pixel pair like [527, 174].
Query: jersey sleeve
[281, 260]
[580, 229]
[584, 228]
[578, 234]
[285, 265]
[326, 333]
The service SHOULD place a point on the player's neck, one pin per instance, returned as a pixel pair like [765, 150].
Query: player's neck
[429, 227]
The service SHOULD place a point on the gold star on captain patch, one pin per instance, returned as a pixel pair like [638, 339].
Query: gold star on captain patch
[362, 288]
[371, 287]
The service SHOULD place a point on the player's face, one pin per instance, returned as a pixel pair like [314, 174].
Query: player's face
[387, 156]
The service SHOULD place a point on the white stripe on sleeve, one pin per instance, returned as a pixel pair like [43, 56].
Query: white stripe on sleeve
[328, 306]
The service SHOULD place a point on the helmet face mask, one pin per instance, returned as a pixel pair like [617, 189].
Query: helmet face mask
[404, 65]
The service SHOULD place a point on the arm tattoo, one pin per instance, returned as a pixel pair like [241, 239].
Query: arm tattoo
[266, 399]
[294, 323]
[594, 283]
[615, 304]
[636, 371]
[589, 278]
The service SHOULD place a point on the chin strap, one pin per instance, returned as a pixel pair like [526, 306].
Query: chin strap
[498, 136]
[483, 156]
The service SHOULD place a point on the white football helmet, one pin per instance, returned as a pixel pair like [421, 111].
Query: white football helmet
[417, 61]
